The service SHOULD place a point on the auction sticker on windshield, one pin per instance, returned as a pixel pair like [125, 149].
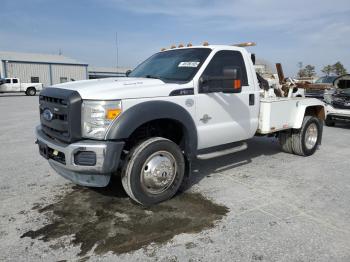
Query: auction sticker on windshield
[188, 64]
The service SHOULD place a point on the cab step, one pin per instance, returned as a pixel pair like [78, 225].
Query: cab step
[241, 147]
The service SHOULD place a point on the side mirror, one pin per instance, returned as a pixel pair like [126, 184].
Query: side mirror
[127, 73]
[229, 82]
[252, 56]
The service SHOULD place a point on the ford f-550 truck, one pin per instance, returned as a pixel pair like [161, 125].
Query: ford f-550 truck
[179, 105]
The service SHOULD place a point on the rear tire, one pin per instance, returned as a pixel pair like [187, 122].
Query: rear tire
[31, 91]
[308, 137]
[153, 171]
[285, 139]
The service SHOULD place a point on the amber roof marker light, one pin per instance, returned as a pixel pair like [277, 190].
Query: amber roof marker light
[246, 44]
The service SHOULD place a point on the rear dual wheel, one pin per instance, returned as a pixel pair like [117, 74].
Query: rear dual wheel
[153, 171]
[31, 91]
[304, 141]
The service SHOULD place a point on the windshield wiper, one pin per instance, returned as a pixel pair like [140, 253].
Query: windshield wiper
[152, 76]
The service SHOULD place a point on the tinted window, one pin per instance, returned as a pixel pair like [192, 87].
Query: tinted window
[34, 79]
[15, 81]
[344, 84]
[226, 59]
[173, 65]
[8, 81]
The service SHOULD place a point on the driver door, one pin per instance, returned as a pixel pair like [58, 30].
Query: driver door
[224, 118]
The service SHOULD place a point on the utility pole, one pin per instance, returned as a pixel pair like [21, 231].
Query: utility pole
[116, 48]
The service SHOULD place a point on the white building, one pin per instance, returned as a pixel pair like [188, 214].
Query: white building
[41, 68]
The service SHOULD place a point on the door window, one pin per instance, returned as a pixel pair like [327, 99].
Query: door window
[226, 59]
[8, 81]
[15, 81]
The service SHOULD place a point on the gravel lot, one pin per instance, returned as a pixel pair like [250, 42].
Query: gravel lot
[257, 205]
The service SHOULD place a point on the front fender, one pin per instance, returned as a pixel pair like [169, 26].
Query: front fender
[144, 112]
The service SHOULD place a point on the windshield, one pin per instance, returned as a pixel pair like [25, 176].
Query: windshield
[173, 65]
[326, 80]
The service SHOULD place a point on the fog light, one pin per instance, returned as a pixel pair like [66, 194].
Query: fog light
[85, 158]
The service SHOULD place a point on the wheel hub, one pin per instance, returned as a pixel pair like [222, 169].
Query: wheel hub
[158, 172]
[311, 136]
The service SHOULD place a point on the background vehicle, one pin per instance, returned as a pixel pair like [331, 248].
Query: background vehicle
[338, 101]
[317, 89]
[10, 85]
[178, 105]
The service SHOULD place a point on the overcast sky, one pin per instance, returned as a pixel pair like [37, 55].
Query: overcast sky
[308, 31]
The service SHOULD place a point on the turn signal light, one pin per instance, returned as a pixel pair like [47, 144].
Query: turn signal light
[113, 113]
[237, 84]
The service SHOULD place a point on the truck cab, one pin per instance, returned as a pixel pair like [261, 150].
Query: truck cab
[10, 85]
[179, 105]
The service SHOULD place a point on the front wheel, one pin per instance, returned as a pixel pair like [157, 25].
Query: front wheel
[153, 171]
[306, 140]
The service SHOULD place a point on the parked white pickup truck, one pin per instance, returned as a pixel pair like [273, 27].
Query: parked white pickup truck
[178, 105]
[10, 85]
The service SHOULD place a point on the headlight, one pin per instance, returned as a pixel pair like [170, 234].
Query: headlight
[97, 116]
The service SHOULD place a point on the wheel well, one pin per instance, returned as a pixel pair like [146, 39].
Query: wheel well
[167, 128]
[317, 111]
[30, 88]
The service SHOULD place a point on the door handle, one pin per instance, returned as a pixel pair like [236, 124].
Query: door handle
[251, 99]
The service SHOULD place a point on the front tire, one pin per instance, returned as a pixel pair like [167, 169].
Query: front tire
[306, 140]
[153, 171]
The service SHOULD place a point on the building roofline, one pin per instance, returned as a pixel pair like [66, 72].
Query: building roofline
[47, 63]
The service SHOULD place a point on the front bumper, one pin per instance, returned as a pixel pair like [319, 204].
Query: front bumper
[63, 159]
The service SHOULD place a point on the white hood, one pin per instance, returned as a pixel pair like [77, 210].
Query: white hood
[119, 88]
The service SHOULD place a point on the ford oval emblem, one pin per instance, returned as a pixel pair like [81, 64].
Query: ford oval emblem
[47, 114]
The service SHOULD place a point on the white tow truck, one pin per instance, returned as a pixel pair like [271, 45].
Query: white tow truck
[181, 104]
[14, 85]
